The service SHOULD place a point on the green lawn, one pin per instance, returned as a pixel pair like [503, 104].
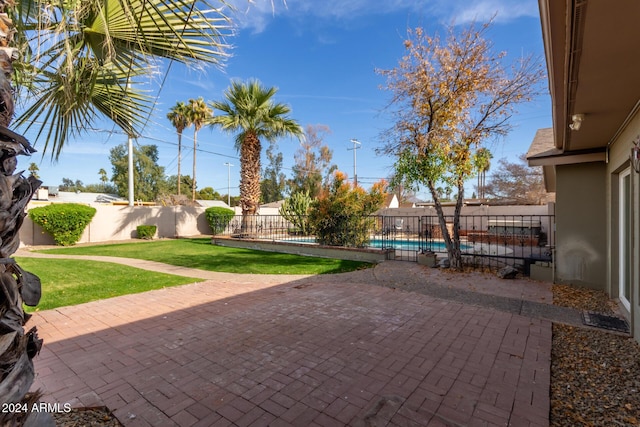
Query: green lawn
[200, 253]
[70, 282]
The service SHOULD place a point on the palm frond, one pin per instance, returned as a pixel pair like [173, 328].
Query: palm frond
[82, 54]
[69, 105]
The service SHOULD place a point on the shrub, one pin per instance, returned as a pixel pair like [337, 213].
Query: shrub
[219, 218]
[65, 222]
[146, 231]
[340, 216]
[295, 209]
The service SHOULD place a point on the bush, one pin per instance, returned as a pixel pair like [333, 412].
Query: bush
[219, 218]
[65, 222]
[340, 214]
[295, 209]
[146, 231]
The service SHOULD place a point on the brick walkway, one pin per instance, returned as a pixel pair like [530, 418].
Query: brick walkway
[320, 351]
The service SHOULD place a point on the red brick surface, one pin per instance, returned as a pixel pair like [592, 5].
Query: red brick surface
[333, 352]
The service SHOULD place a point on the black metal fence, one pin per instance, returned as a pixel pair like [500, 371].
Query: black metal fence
[486, 240]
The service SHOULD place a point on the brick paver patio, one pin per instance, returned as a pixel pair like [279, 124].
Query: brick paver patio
[323, 351]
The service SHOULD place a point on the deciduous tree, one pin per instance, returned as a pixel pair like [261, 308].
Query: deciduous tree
[448, 98]
[148, 175]
[274, 183]
[517, 182]
[312, 162]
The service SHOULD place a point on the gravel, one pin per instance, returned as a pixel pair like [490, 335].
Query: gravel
[86, 417]
[595, 374]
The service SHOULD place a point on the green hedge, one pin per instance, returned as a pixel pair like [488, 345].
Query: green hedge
[146, 231]
[65, 222]
[219, 218]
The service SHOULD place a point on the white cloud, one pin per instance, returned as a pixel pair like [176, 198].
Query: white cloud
[257, 14]
[482, 11]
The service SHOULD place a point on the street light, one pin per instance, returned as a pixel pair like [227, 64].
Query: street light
[356, 145]
[228, 183]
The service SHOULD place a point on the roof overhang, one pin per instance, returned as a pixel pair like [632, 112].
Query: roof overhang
[590, 49]
[569, 158]
[544, 153]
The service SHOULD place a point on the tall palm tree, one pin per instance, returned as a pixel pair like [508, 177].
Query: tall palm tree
[84, 59]
[179, 117]
[198, 115]
[248, 109]
[482, 164]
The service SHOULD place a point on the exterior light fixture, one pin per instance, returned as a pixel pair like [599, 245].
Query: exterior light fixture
[635, 155]
[576, 121]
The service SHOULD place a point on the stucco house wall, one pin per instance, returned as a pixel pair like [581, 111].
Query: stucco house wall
[618, 157]
[581, 225]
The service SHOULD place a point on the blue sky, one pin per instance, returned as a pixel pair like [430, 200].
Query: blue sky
[322, 56]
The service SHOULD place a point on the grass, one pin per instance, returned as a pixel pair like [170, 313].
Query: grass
[200, 253]
[70, 282]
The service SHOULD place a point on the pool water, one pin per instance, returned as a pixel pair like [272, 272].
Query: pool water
[400, 244]
[413, 245]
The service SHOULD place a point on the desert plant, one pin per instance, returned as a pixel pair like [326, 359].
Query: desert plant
[295, 209]
[146, 231]
[219, 218]
[65, 222]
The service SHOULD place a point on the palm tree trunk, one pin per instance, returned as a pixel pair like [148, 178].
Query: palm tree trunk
[193, 181]
[16, 287]
[250, 175]
[180, 159]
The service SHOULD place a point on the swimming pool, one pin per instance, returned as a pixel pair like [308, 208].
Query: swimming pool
[399, 244]
[412, 245]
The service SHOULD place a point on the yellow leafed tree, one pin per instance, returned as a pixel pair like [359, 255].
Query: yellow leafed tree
[448, 98]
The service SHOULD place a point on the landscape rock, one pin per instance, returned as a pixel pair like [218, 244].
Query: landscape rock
[444, 263]
[507, 272]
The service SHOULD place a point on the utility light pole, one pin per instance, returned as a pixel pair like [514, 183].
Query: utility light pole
[356, 145]
[130, 158]
[228, 183]
[130, 168]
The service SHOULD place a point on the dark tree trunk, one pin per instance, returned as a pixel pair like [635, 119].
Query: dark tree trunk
[17, 287]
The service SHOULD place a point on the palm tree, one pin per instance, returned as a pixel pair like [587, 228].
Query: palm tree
[482, 164]
[103, 178]
[248, 109]
[179, 118]
[85, 58]
[198, 115]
